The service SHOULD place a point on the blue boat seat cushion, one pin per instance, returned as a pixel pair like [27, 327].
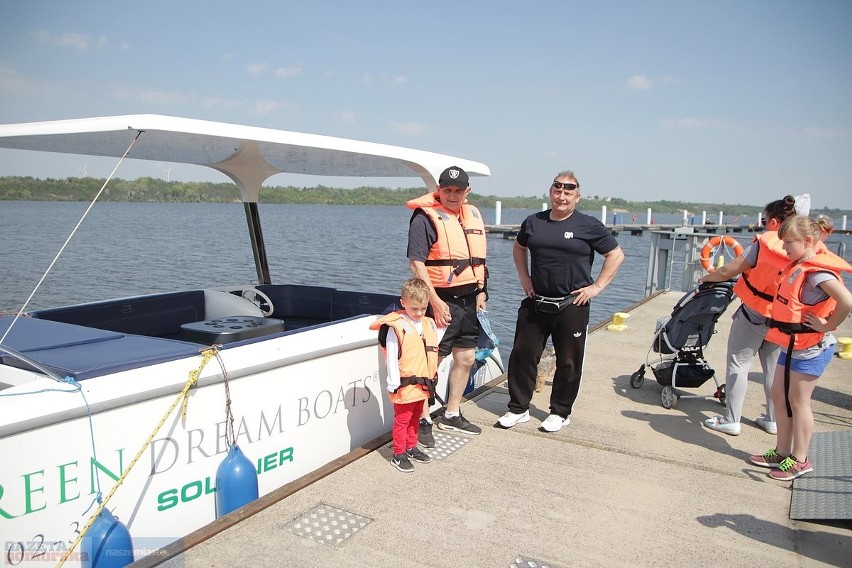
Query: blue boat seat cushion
[300, 306]
[82, 352]
[155, 315]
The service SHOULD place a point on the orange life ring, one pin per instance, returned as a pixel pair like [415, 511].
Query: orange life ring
[712, 243]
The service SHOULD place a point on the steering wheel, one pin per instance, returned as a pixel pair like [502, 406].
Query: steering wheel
[259, 299]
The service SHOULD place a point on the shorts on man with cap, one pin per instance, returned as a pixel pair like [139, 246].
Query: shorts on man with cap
[454, 176]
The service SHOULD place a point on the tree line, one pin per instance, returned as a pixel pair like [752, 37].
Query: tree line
[148, 189]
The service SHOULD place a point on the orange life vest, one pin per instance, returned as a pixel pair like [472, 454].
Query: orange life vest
[788, 309]
[757, 286]
[458, 256]
[418, 356]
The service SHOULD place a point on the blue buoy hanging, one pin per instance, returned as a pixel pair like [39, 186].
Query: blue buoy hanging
[107, 543]
[236, 482]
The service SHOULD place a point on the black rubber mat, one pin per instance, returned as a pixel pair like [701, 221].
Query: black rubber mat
[826, 492]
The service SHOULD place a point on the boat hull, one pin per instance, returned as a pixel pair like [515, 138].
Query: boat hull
[298, 402]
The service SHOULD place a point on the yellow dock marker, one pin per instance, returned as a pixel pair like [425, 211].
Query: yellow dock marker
[618, 321]
[846, 351]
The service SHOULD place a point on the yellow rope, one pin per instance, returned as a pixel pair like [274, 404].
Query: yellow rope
[207, 354]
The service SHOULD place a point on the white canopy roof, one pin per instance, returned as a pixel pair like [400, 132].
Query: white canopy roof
[247, 154]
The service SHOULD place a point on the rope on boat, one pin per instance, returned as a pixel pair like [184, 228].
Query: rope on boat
[230, 436]
[182, 398]
[73, 232]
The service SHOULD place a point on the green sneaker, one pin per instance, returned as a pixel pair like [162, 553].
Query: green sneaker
[768, 459]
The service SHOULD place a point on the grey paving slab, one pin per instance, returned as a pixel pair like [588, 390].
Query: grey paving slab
[627, 483]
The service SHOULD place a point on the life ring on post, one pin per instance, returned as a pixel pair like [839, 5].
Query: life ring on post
[707, 252]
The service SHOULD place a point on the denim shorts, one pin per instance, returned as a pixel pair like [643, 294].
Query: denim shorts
[814, 367]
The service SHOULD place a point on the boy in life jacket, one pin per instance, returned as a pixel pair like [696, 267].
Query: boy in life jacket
[810, 303]
[409, 340]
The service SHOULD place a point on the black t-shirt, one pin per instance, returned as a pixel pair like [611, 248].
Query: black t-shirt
[421, 236]
[562, 252]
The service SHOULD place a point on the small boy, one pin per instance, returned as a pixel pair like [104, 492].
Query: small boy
[410, 343]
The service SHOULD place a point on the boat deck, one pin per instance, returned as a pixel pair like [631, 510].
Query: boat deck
[627, 483]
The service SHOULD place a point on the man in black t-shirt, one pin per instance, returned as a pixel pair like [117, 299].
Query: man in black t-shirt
[561, 244]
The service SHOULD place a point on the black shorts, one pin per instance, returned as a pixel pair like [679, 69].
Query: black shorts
[463, 331]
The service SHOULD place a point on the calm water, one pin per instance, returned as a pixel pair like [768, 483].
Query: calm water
[124, 249]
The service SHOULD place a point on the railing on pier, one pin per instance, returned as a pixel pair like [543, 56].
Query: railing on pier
[686, 246]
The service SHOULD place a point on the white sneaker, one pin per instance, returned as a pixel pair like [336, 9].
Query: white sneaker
[554, 423]
[510, 419]
[767, 424]
[721, 424]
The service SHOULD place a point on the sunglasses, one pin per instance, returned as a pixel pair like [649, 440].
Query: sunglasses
[569, 186]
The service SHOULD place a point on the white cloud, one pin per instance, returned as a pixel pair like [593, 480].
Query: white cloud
[408, 128]
[10, 80]
[346, 116]
[644, 83]
[399, 80]
[219, 103]
[638, 83]
[70, 40]
[698, 123]
[257, 69]
[152, 96]
[286, 72]
[827, 133]
[267, 106]
[102, 42]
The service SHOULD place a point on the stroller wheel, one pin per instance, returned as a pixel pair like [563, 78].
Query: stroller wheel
[637, 378]
[668, 397]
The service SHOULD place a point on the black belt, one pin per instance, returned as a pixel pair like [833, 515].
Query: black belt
[552, 305]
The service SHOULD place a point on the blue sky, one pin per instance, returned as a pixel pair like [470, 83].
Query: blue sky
[722, 101]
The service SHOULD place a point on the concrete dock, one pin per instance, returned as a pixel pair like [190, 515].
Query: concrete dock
[627, 483]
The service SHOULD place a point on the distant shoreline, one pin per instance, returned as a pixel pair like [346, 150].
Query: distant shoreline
[155, 190]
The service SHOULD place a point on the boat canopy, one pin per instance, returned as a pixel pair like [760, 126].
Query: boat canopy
[249, 155]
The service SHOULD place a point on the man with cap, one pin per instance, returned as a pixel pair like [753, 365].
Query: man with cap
[446, 248]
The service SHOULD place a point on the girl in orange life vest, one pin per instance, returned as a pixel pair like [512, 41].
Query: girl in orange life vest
[810, 303]
[410, 342]
[759, 265]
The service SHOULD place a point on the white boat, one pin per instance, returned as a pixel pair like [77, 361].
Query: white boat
[83, 388]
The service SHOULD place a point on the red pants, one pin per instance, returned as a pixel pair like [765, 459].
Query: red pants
[406, 421]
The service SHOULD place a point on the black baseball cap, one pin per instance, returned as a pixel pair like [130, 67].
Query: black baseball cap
[454, 176]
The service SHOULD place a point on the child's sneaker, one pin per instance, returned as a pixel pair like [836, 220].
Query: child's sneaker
[790, 469]
[400, 462]
[768, 459]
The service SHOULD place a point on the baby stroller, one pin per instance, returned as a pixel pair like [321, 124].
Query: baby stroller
[680, 341]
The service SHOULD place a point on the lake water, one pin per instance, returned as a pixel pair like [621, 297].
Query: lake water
[124, 249]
